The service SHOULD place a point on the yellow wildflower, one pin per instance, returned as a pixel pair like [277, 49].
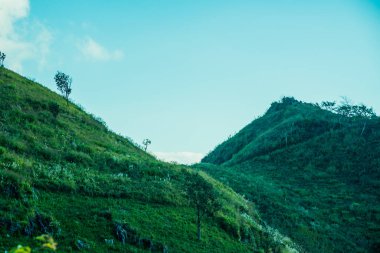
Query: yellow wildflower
[50, 245]
[21, 249]
[43, 238]
[48, 242]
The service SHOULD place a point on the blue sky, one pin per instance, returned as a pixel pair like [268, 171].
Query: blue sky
[187, 74]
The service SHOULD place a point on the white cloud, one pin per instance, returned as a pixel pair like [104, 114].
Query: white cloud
[43, 41]
[11, 11]
[180, 157]
[20, 43]
[94, 51]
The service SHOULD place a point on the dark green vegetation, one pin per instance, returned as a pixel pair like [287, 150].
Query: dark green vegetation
[63, 172]
[313, 173]
[63, 82]
[203, 197]
[2, 58]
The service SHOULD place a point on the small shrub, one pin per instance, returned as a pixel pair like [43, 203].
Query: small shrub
[126, 234]
[81, 244]
[42, 223]
[21, 249]
[13, 185]
[78, 157]
[2, 150]
[229, 225]
[45, 244]
[45, 152]
[54, 109]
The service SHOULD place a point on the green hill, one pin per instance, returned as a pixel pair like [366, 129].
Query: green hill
[64, 173]
[313, 172]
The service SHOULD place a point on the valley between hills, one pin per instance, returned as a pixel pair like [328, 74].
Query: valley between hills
[301, 178]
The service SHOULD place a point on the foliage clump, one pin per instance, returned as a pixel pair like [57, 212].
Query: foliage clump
[203, 197]
[347, 109]
[44, 244]
[54, 109]
[125, 234]
[63, 82]
[2, 58]
[14, 185]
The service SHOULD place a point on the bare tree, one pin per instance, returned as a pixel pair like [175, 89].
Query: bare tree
[2, 58]
[146, 142]
[327, 105]
[354, 113]
[364, 113]
[63, 82]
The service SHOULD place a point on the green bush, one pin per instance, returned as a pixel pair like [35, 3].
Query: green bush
[13, 185]
[78, 157]
[54, 109]
[2, 150]
[229, 224]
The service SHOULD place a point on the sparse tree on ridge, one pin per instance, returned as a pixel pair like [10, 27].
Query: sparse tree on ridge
[63, 82]
[146, 142]
[203, 197]
[364, 113]
[2, 58]
[327, 105]
[347, 109]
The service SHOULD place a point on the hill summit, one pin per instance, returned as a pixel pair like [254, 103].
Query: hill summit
[312, 170]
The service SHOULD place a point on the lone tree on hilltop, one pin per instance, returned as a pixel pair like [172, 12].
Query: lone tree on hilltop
[203, 197]
[2, 58]
[63, 82]
[146, 142]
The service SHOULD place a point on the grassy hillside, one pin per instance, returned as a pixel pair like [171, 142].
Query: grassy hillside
[64, 173]
[312, 173]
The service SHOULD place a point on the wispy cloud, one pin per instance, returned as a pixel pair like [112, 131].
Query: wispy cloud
[94, 51]
[21, 43]
[180, 157]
